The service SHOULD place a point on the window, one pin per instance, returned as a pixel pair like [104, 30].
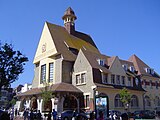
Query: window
[118, 79]
[43, 73]
[112, 79]
[104, 78]
[117, 101]
[134, 101]
[83, 78]
[123, 80]
[129, 81]
[144, 83]
[125, 66]
[87, 100]
[131, 68]
[147, 101]
[78, 79]
[157, 101]
[156, 85]
[101, 62]
[51, 71]
[151, 84]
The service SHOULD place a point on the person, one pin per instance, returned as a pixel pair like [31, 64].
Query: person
[124, 116]
[31, 115]
[4, 116]
[114, 116]
[12, 114]
[92, 116]
[49, 116]
[25, 114]
[16, 112]
[39, 115]
[157, 116]
[100, 116]
[54, 114]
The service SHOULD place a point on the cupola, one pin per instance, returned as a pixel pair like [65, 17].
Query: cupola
[69, 18]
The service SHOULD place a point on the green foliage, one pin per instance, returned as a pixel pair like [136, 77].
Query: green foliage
[11, 64]
[13, 102]
[125, 96]
[46, 94]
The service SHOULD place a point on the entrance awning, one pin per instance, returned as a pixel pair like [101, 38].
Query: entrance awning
[59, 87]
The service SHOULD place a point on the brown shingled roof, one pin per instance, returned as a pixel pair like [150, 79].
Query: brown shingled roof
[63, 41]
[140, 66]
[92, 58]
[60, 87]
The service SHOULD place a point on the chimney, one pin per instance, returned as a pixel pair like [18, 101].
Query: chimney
[69, 18]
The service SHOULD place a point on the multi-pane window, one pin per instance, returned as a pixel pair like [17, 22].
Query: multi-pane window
[81, 78]
[151, 84]
[123, 80]
[156, 85]
[43, 73]
[144, 83]
[157, 101]
[113, 79]
[129, 81]
[134, 101]
[51, 72]
[147, 101]
[105, 78]
[118, 79]
[87, 100]
[78, 79]
[117, 101]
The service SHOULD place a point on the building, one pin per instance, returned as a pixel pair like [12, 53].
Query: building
[69, 64]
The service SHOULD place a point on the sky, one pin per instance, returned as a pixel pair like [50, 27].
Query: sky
[118, 27]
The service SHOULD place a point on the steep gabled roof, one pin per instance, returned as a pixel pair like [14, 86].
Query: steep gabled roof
[92, 58]
[63, 41]
[140, 66]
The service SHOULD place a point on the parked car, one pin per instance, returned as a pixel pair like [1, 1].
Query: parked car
[144, 114]
[69, 114]
[116, 113]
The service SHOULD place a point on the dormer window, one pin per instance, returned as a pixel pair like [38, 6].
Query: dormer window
[149, 70]
[125, 66]
[131, 68]
[101, 62]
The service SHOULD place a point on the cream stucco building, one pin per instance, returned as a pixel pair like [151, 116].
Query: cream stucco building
[75, 71]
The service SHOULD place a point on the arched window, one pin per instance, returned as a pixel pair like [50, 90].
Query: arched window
[117, 101]
[147, 101]
[134, 101]
[157, 101]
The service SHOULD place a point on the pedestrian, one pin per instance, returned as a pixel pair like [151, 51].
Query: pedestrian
[25, 114]
[49, 116]
[92, 116]
[158, 115]
[39, 115]
[31, 115]
[124, 116]
[4, 116]
[54, 114]
[16, 112]
[12, 114]
[100, 116]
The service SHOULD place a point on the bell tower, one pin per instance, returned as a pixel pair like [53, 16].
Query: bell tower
[69, 18]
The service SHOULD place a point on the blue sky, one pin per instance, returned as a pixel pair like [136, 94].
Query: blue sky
[118, 27]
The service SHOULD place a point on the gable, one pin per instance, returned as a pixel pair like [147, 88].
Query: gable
[116, 67]
[81, 62]
[46, 46]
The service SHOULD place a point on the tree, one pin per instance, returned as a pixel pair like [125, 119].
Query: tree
[46, 96]
[125, 97]
[11, 64]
